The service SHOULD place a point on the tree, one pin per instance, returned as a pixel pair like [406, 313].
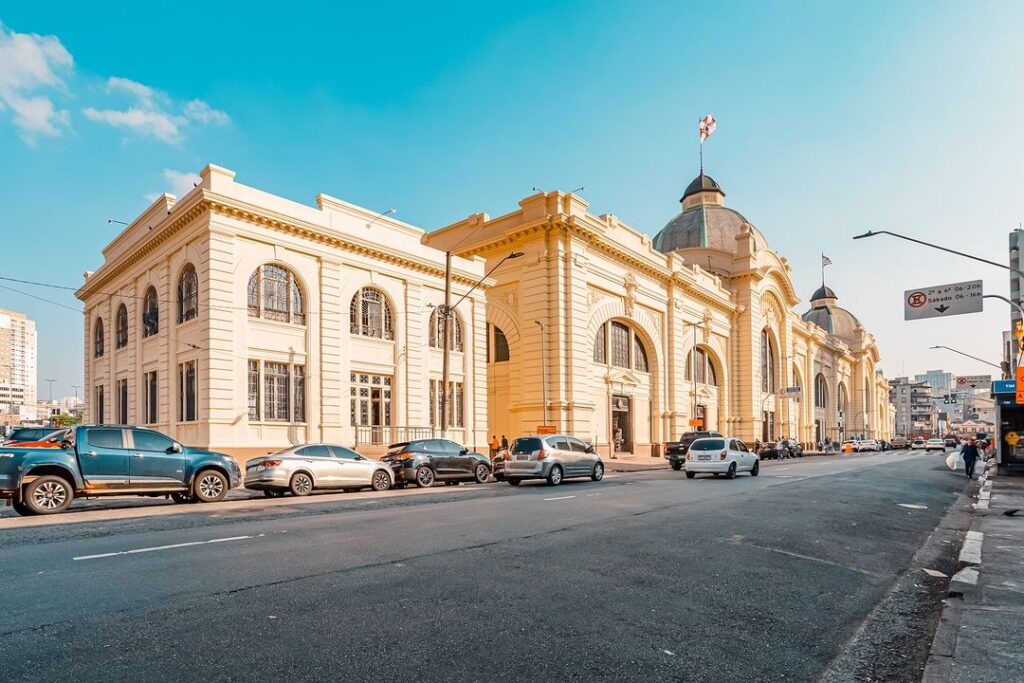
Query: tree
[65, 420]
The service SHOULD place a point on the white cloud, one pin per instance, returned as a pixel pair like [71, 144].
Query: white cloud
[158, 124]
[30, 65]
[197, 110]
[143, 93]
[181, 182]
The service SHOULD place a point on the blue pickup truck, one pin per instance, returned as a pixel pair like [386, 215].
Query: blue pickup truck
[112, 460]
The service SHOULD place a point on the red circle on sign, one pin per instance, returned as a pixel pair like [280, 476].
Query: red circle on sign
[917, 299]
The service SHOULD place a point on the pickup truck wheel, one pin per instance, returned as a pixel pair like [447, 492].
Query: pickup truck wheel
[182, 498]
[676, 465]
[48, 495]
[210, 486]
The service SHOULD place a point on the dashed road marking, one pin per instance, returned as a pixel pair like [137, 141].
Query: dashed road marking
[162, 547]
[560, 498]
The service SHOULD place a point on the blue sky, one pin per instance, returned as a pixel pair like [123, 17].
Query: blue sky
[833, 118]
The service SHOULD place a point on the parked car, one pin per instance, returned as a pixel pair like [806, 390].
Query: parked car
[302, 469]
[917, 445]
[899, 443]
[112, 460]
[770, 450]
[868, 445]
[951, 443]
[27, 435]
[724, 455]
[498, 464]
[935, 445]
[54, 439]
[850, 446]
[555, 458]
[425, 461]
[675, 451]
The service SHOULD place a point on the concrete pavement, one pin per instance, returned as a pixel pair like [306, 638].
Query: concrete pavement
[647, 576]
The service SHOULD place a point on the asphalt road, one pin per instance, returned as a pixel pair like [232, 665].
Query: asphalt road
[644, 576]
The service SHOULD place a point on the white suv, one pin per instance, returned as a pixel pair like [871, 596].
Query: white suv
[869, 445]
[917, 445]
[720, 455]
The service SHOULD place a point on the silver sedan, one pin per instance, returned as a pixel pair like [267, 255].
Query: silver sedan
[301, 469]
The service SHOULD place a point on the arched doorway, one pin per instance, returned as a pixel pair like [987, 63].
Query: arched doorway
[625, 360]
[704, 370]
[820, 407]
[843, 408]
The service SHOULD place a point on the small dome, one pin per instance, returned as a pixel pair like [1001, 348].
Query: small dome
[822, 293]
[704, 227]
[833, 319]
[702, 183]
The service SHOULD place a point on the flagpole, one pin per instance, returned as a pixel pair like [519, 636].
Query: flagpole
[822, 269]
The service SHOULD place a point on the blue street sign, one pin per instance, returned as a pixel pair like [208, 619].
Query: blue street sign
[1004, 386]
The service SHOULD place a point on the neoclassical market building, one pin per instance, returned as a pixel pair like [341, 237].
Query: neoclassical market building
[636, 340]
[238, 320]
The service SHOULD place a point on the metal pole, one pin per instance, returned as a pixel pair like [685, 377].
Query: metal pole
[949, 348]
[444, 318]
[544, 371]
[693, 371]
[870, 233]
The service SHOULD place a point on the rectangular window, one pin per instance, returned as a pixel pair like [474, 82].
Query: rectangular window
[254, 390]
[99, 405]
[299, 374]
[456, 410]
[276, 404]
[149, 397]
[122, 401]
[620, 345]
[370, 397]
[187, 391]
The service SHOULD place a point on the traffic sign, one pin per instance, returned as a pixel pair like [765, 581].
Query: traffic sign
[974, 382]
[546, 429]
[1020, 385]
[942, 301]
[697, 422]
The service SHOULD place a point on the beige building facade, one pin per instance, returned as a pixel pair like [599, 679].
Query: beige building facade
[244, 322]
[603, 332]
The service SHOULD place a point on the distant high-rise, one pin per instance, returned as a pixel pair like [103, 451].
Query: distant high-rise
[17, 365]
[939, 380]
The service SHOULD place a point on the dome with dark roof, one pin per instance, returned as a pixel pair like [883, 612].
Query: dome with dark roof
[826, 314]
[704, 223]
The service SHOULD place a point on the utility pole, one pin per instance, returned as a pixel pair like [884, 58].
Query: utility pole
[50, 382]
[444, 317]
[543, 370]
[76, 387]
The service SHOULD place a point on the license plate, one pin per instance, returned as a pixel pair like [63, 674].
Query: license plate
[703, 457]
[520, 458]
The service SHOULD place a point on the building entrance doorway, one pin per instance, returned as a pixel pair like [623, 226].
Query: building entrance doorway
[622, 425]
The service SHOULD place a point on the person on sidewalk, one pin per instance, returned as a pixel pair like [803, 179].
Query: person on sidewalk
[504, 443]
[969, 452]
[494, 445]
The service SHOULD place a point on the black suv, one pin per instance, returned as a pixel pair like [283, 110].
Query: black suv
[675, 451]
[425, 461]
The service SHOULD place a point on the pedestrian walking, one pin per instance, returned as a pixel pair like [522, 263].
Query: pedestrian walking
[504, 443]
[494, 445]
[757, 446]
[969, 452]
[780, 449]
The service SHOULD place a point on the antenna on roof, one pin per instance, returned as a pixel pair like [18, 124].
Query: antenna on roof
[382, 213]
[114, 220]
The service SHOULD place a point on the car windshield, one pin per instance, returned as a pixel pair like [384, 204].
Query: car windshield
[526, 445]
[708, 445]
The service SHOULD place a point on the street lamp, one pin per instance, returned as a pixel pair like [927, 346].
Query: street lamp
[543, 370]
[444, 316]
[874, 233]
[980, 360]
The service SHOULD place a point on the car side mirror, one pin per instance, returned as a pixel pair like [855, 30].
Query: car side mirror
[175, 448]
[66, 444]
[590, 449]
[464, 451]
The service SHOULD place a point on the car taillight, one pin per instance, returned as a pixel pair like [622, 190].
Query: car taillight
[270, 463]
[541, 454]
[689, 457]
[721, 456]
[403, 456]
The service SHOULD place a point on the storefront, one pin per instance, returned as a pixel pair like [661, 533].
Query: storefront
[1009, 437]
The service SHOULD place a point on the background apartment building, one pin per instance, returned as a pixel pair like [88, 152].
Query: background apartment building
[915, 410]
[17, 367]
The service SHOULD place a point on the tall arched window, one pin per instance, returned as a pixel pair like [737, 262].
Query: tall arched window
[768, 384]
[370, 315]
[501, 353]
[820, 391]
[626, 349]
[150, 313]
[121, 327]
[188, 294]
[703, 367]
[274, 293]
[454, 334]
[97, 338]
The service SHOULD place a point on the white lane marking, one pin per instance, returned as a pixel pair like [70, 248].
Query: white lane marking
[593, 494]
[561, 498]
[161, 547]
[913, 506]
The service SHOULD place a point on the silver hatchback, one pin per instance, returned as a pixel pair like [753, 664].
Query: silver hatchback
[301, 469]
[555, 457]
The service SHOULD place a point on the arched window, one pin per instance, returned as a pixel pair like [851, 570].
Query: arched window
[121, 327]
[370, 315]
[767, 363]
[627, 351]
[188, 294]
[704, 368]
[97, 338]
[500, 347]
[274, 294]
[150, 313]
[841, 398]
[454, 334]
[820, 391]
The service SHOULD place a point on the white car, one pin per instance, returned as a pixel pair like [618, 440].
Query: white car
[935, 445]
[724, 455]
[869, 445]
[917, 445]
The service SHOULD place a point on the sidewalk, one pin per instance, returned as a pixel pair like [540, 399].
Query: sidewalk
[981, 635]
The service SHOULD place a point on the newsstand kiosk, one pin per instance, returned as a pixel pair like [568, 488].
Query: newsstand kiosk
[1009, 437]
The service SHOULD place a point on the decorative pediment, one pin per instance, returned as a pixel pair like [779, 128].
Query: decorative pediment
[623, 377]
